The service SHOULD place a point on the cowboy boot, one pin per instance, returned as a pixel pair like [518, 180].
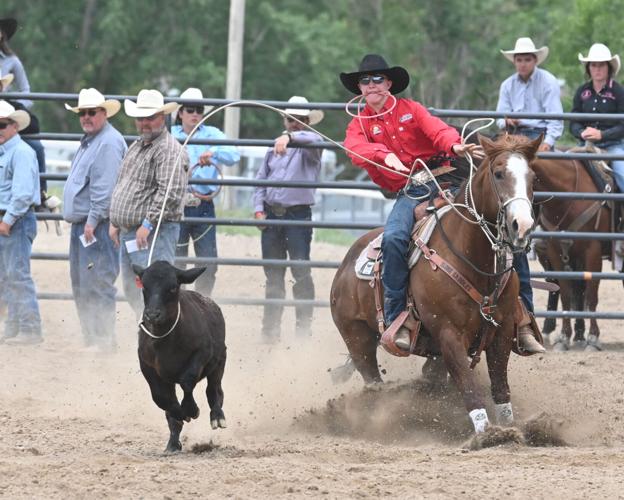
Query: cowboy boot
[403, 337]
[526, 336]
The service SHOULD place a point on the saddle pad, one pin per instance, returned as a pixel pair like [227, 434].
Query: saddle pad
[365, 263]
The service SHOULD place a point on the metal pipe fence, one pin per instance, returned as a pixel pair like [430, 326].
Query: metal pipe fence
[344, 185]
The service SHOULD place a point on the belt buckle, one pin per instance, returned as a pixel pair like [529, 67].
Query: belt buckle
[279, 211]
[422, 177]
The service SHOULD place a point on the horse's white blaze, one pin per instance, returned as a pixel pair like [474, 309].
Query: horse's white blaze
[520, 208]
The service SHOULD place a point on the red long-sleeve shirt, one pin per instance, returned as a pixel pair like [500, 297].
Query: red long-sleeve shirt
[409, 131]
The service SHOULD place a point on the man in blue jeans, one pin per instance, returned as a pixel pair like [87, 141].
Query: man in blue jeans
[155, 161]
[203, 160]
[289, 163]
[93, 259]
[19, 194]
[394, 133]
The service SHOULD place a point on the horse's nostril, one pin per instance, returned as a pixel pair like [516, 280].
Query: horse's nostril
[514, 225]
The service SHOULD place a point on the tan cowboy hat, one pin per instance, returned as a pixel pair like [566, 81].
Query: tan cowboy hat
[149, 102]
[526, 46]
[599, 52]
[194, 93]
[314, 115]
[22, 118]
[6, 80]
[92, 98]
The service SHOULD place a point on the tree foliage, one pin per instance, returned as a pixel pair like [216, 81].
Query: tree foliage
[450, 48]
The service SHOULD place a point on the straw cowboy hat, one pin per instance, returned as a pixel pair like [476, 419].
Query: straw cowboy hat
[601, 53]
[373, 64]
[8, 25]
[194, 93]
[526, 46]
[6, 80]
[149, 102]
[314, 115]
[92, 98]
[22, 118]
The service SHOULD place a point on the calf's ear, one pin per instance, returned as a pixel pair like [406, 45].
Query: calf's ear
[190, 275]
[138, 270]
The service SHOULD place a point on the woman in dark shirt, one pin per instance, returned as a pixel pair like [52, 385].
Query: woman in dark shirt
[601, 94]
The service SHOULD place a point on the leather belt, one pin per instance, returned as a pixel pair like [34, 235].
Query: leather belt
[424, 176]
[281, 210]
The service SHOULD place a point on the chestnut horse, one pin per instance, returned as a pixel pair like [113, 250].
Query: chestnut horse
[500, 194]
[572, 255]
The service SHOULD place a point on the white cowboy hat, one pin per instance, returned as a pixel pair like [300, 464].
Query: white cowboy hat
[526, 46]
[149, 102]
[601, 53]
[314, 115]
[6, 80]
[92, 98]
[22, 118]
[194, 93]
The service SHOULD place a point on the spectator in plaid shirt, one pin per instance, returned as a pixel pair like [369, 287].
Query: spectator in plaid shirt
[139, 194]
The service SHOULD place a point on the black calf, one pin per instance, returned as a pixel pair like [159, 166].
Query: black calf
[181, 341]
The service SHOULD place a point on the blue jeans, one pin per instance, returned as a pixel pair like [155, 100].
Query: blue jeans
[93, 271]
[294, 242]
[204, 237]
[164, 249]
[395, 246]
[521, 266]
[617, 165]
[19, 288]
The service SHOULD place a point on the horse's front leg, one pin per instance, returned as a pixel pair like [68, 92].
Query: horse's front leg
[562, 342]
[497, 360]
[591, 303]
[458, 365]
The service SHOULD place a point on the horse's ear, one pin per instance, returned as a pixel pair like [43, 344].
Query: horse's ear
[486, 144]
[535, 144]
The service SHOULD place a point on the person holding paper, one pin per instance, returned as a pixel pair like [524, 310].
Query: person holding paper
[152, 180]
[93, 258]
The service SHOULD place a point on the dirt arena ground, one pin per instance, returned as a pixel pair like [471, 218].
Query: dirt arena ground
[76, 424]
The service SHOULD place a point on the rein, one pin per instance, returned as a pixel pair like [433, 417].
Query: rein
[175, 323]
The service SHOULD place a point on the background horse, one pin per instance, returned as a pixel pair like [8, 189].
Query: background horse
[572, 255]
[452, 322]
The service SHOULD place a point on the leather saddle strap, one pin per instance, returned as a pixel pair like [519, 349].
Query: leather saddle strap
[376, 284]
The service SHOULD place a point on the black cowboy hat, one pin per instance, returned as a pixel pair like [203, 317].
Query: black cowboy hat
[375, 64]
[8, 26]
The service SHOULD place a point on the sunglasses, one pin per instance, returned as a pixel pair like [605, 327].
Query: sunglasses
[376, 79]
[4, 125]
[194, 109]
[90, 112]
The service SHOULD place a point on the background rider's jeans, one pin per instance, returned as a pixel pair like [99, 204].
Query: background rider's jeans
[204, 237]
[395, 245]
[521, 266]
[164, 249]
[19, 288]
[93, 271]
[617, 165]
[294, 242]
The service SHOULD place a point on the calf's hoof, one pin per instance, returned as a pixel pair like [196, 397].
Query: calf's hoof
[218, 423]
[173, 447]
[191, 411]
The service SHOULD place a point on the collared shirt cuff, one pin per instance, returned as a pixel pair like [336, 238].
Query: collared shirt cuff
[9, 219]
[92, 220]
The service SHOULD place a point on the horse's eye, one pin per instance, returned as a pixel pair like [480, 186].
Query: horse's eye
[499, 174]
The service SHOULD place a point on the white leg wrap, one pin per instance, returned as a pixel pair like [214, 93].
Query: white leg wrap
[504, 414]
[479, 420]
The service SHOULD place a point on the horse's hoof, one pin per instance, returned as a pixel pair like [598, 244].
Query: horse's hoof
[562, 344]
[593, 345]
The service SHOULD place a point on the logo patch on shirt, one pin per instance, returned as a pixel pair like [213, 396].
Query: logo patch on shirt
[376, 130]
[586, 94]
[405, 117]
[608, 95]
